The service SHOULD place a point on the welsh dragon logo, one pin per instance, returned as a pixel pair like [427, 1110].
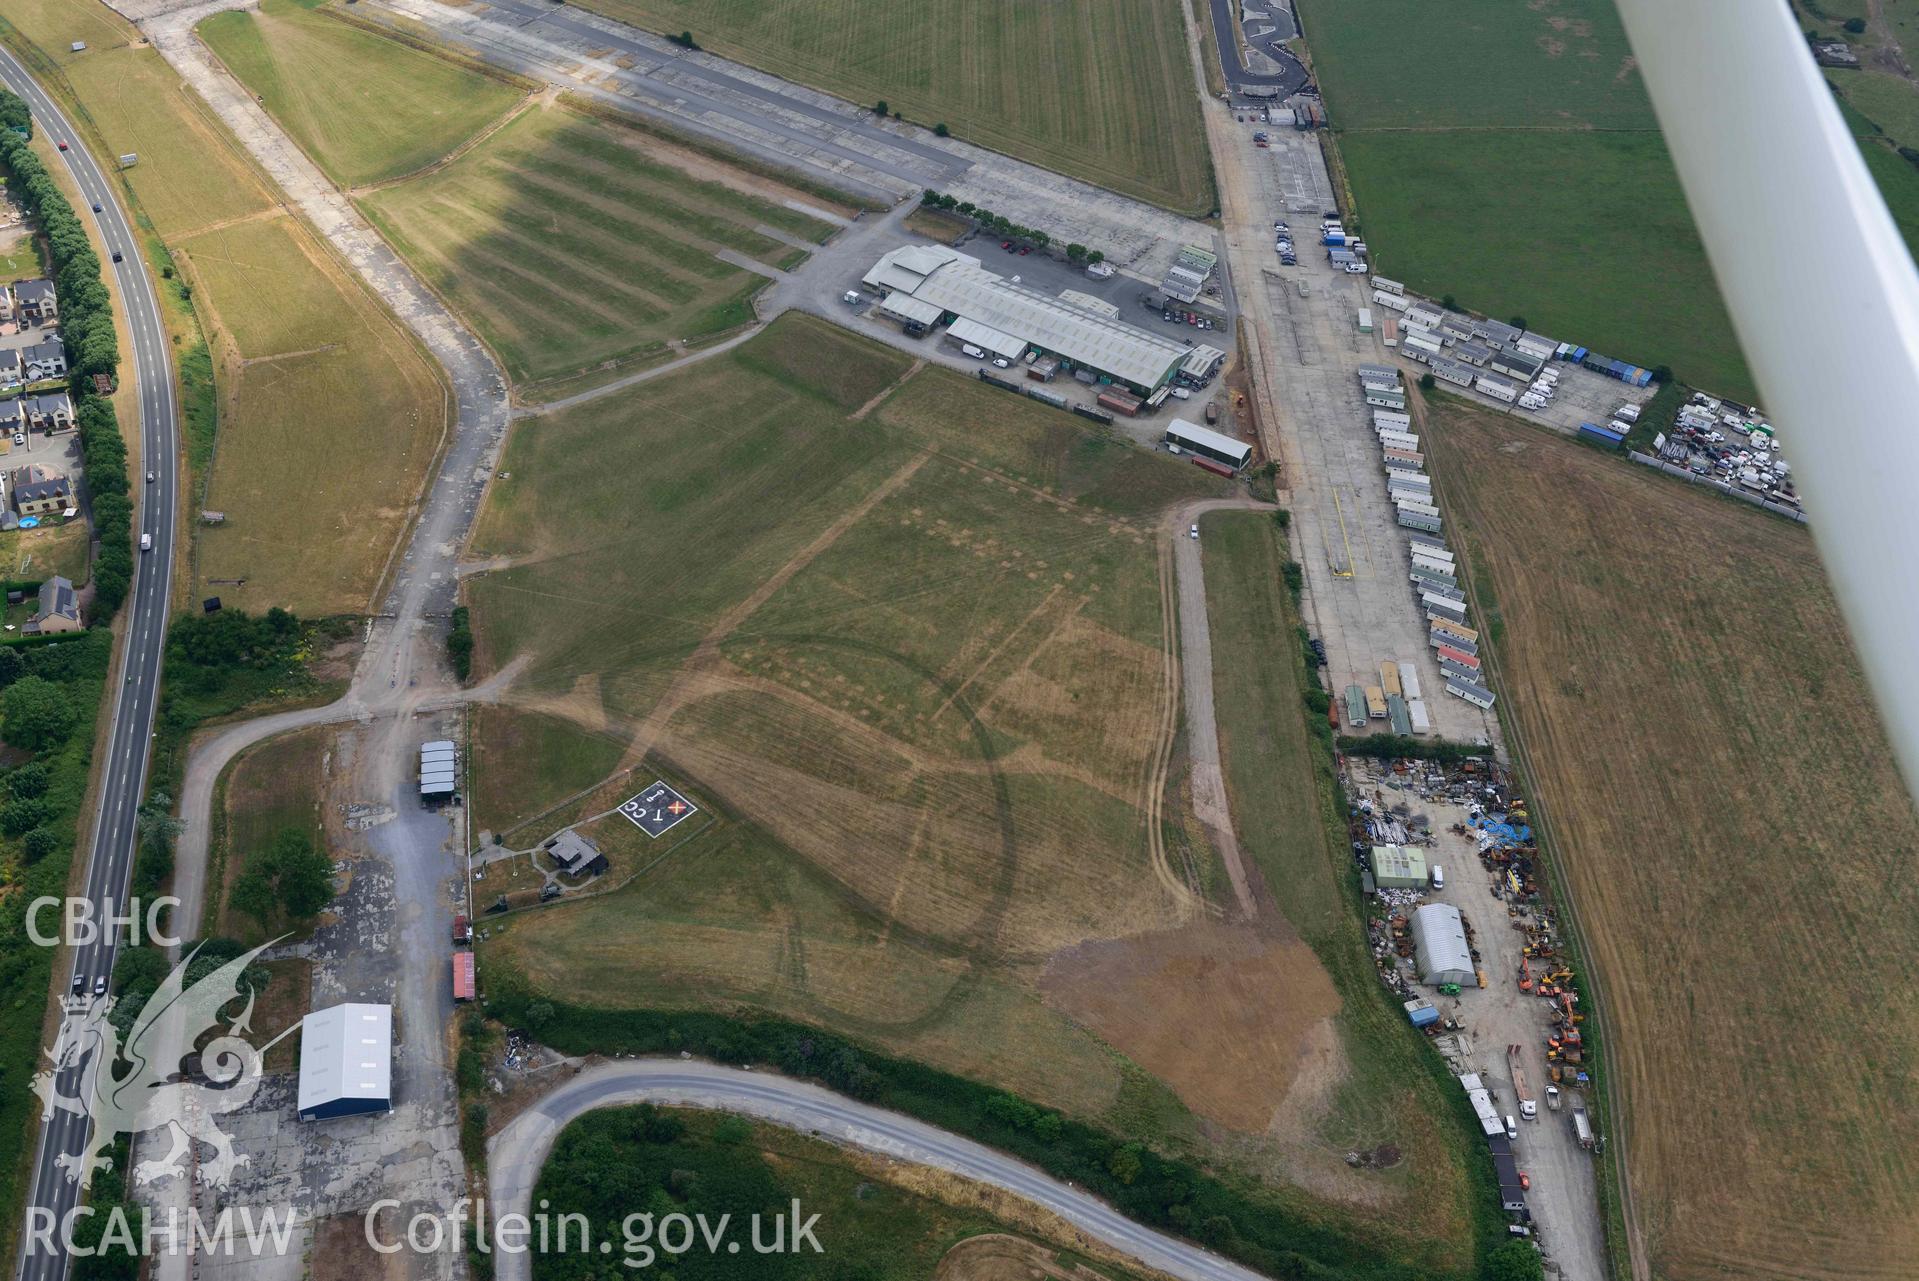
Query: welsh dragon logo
[139, 1085]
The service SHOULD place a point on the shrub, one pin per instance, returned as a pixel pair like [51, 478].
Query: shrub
[941, 131]
[1427, 382]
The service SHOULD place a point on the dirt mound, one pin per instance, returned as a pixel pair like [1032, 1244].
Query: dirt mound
[1222, 1013]
[998, 1257]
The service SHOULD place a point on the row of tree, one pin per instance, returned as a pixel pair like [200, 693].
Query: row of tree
[1001, 225]
[86, 323]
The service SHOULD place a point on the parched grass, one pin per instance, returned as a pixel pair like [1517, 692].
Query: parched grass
[191, 173]
[366, 108]
[1717, 788]
[48, 549]
[1279, 785]
[21, 258]
[54, 25]
[1447, 212]
[1098, 89]
[922, 719]
[322, 395]
[571, 242]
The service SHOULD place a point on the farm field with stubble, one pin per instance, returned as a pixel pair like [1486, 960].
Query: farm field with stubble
[366, 108]
[914, 671]
[1098, 89]
[1718, 792]
[576, 245]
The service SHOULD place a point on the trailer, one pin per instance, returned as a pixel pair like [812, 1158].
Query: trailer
[1119, 402]
[1389, 333]
[1386, 286]
[1392, 438]
[1417, 508]
[1408, 494]
[1391, 418]
[1413, 520]
[1498, 388]
[463, 986]
[1416, 713]
[1604, 435]
[1458, 657]
[1355, 706]
[1528, 1106]
[1476, 694]
[1397, 715]
[1431, 580]
[1460, 630]
[1406, 460]
[1392, 302]
[1582, 1127]
[1389, 678]
[1382, 399]
[1375, 703]
[1045, 397]
[1409, 679]
[1428, 541]
[1417, 478]
[1437, 640]
[1364, 320]
[1436, 566]
[1443, 606]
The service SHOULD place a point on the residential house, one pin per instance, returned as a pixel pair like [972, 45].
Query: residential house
[13, 416]
[11, 369]
[35, 301]
[50, 412]
[59, 609]
[6, 305]
[45, 360]
[38, 490]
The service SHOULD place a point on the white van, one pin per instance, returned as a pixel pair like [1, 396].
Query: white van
[146, 542]
[1439, 877]
[970, 350]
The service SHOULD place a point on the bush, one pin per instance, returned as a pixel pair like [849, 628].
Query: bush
[1449, 302]
[1427, 382]
[1855, 26]
[459, 643]
[37, 714]
[881, 110]
[941, 131]
[39, 843]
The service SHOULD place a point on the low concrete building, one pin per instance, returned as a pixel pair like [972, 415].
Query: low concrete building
[35, 490]
[58, 611]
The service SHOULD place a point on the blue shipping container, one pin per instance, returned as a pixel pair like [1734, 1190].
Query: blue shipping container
[1600, 433]
[1422, 1013]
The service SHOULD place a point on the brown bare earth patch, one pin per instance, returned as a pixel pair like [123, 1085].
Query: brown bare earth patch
[998, 1257]
[1222, 1013]
[1554, 48]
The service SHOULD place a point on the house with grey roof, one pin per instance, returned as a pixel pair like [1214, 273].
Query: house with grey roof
[35, 301]
[36, 490]
[45, 360]
[58, 611]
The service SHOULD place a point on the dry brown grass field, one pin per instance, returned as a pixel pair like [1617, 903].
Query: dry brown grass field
[1738, 845]
[913, 671]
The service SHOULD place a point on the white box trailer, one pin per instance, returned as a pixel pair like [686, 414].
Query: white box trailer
[1499, 389]
[1416, 712]
[1437, 566]
[1417, 479]
[1364, 320]
[1413, 520]
[1392, 302]
[1428, 541]
[1439, 554]
[1386, 286]
[1627, 412]
[1398, 439]
[1391, 418]
[1477, 695]
[1385, 399]
[1415, 506]
[1409, 680]
[1442, 607]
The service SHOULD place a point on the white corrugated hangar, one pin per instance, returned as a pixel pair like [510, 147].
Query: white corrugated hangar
[346, 1061]
[1440, 949]
[1006, 314]
[1208, 443]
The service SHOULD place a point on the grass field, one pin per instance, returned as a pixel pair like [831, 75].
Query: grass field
[20, 257]
[879, 1220]
[366, 108]
[1382, 1089]
[191, 174]
[1098, 89]
[49, 549]
[272, 787]
[524, 762]
[1720, 798]
[1543, 191]
[914, 674]
[572, 243]
[1604, 253]
[323, 398]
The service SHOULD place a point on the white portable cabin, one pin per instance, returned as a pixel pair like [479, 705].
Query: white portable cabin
[1392, 302]
[1409, 680]
[1391, 418]
[1477, 695]
[1416, 712]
